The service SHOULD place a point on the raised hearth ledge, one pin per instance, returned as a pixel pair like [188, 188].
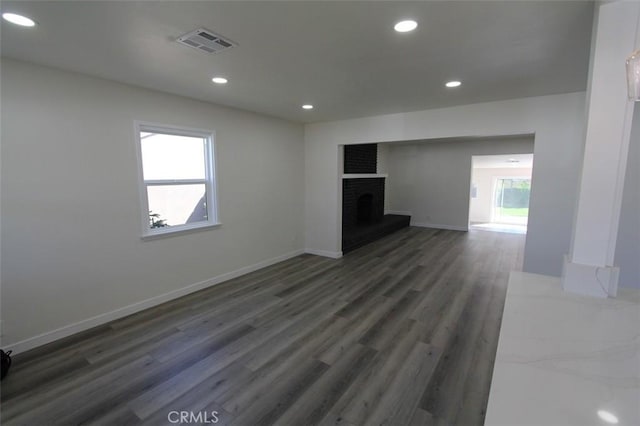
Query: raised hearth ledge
[364, 175]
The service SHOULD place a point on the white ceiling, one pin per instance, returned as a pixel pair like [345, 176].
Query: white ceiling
[502, 161]
[341, 56]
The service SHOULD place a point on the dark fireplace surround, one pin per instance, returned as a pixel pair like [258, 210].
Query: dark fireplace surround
[363, 218]
[362, 202]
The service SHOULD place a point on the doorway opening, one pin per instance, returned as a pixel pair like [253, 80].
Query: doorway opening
[500, 191]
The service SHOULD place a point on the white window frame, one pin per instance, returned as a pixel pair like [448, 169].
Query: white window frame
[210, 180]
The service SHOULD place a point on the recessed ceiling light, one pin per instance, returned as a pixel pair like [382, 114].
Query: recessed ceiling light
[453, 84]
[23, 21]
[405, 26]
[307, 106]
[608, 417]
[219, 80]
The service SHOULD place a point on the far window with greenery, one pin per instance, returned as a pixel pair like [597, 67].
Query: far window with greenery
[177, 179]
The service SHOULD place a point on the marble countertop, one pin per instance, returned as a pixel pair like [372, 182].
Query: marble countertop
[562, 357]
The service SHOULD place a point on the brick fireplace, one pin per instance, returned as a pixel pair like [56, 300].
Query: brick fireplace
[363, 218]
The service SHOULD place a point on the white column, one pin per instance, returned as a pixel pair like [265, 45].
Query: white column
[589, 267]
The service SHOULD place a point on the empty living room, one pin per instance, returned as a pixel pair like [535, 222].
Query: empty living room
[266, 212]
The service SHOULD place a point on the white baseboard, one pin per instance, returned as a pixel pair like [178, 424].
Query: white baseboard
[590, 280]
[400, 212]
[324, 253]
[68, 330]
[438, 226]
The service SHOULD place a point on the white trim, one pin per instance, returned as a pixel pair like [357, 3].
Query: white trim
[173, 182]
[173, 231]
[438, 226]
[590, 280]
[400, 212]
[339, 187]
[172, 129]
[144, 203]
[68, 330]
[324, 253]
[364, 175]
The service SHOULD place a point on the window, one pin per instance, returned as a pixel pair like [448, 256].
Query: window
[511, 200]
[177, 179]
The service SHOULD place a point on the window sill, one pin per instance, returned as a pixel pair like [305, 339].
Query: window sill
[173, 232]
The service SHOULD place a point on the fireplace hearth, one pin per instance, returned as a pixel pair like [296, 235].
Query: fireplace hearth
[363, 218]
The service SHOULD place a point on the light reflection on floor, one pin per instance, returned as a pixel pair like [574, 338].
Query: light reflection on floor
[500, 227]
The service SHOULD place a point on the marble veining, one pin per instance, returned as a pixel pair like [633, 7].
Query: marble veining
[562, 357]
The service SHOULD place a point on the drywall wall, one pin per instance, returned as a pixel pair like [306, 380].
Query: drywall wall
[72, 253]
[483, 180]
[431, 180]
[627, 255]
[557, 122]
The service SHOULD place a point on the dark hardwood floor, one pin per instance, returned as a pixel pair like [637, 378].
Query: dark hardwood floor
[402, 331]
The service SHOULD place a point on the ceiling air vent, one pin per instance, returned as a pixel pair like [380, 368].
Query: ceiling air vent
[206, 41]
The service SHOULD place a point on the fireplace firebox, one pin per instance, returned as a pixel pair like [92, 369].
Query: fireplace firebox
[364, 209]
[363, 218]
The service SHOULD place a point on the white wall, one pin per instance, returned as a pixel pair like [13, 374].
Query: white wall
[431, 179]
[627, 255]
[70, 204]
[483, 179]
[557, 122]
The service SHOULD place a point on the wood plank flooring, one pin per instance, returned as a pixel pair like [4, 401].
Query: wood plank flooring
[400, 332]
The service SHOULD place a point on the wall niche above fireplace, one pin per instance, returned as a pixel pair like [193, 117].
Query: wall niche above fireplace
[363, 218]
[361, 158]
